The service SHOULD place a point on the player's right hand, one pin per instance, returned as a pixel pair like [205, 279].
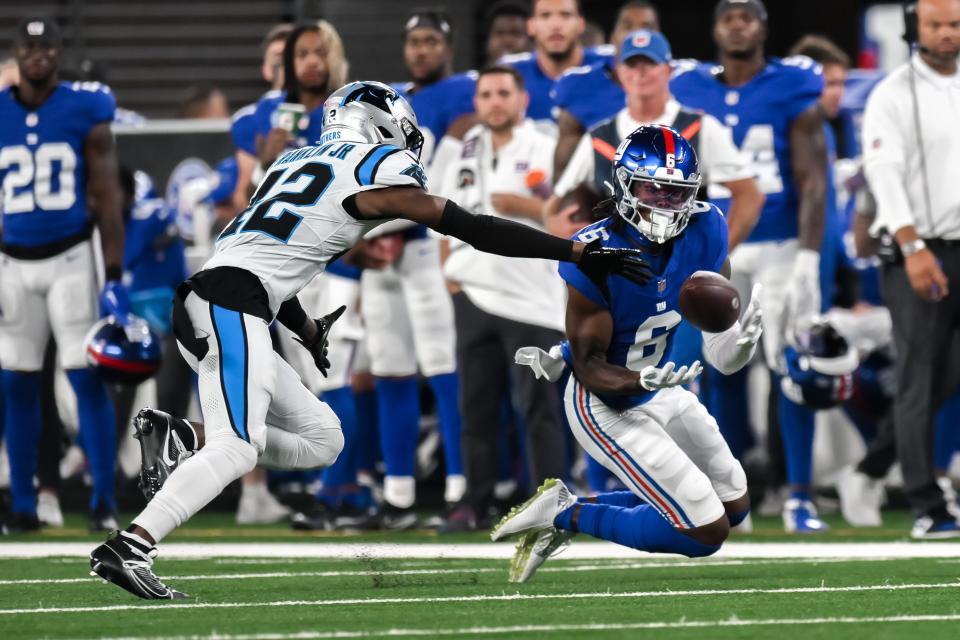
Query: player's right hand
[318, 345]
[598, 262]
[656, 378]
[114, 301]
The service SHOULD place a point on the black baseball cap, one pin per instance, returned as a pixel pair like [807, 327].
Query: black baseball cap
[754, 6]
[39, 29]
[429, 19]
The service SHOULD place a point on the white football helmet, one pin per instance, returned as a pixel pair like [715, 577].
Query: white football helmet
[376, 113]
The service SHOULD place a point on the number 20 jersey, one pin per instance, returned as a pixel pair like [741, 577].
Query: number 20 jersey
[759, 113]
[645, 317]
[297, 221]
[42, 167]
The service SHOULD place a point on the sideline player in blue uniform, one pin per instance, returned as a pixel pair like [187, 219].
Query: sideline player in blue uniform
[585, 96]
[772, 107]
[56, 156]
[624, 399]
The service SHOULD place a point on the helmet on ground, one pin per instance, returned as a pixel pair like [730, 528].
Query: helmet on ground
[376, 113]
[820, 365]
[123, 354]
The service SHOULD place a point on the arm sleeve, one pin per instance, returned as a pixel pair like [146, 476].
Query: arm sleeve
[579, 170]
[291, 315]
[722, 160]
[884, 161]
[722, 351]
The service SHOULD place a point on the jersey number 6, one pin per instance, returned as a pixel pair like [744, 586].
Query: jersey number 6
[308, 184]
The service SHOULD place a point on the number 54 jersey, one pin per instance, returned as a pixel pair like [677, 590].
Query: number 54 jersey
[760, 113]
[302, 216]
[42, 167]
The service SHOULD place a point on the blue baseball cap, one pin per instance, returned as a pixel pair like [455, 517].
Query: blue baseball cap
[646, 43]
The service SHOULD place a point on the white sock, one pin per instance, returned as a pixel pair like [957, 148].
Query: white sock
[455, 488]
[400, 491]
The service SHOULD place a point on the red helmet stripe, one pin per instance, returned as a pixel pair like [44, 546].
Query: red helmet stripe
[669, 145]
[123, 365]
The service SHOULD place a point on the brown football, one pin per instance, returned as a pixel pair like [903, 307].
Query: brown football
[709, 302]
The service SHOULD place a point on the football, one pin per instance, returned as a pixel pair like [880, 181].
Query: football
[709, 302]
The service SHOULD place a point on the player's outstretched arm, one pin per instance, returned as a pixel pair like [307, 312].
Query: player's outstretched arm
[496, 235]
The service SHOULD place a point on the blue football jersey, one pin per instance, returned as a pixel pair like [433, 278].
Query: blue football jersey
[437, 105]
[589, 93]
[645, 318]
[760, 113]
[249, 123]
[859, 85]
[42, 168]
[539, 86]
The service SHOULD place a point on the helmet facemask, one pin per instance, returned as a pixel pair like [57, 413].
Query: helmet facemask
[658, 206]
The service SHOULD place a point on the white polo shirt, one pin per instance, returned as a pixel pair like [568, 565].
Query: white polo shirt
[893, 152]
[525, 290]
[720, 159]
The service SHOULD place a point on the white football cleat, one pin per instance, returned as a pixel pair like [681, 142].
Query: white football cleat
[536, 513]
[258, 506]
[800, 516]
[860, 498]
[48, 510]
[534, 548]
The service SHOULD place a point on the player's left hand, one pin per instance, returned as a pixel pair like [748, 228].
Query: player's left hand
[751, 324]
[598, 262]
[803, 288]
[656, 378]
[114, 301]
[317, 346]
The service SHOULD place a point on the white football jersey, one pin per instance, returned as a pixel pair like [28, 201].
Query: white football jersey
[296, 223]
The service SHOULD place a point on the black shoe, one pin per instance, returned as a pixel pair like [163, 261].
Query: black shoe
[316, 518]
[161, 449]
[397, 519]
[103, 520]
[460, 520]
[348, 517]
[128, 564]
[20, 523]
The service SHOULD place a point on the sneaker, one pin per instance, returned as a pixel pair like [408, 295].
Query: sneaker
[128, 563]
[20, 523]
[534, 548]
[48, 510]
[772, 503]
[940, 528]
[860, 498]
[258, 506]
[460, 520]
[536, 513]
[316, 518]
[949, 495]
[356, 518]
[161, 449]
[397, 519]
[103, 520]
[800, 516]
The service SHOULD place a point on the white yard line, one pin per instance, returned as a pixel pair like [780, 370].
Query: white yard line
[548, 628]
[555, 568]
[579, 550]
[516, 597]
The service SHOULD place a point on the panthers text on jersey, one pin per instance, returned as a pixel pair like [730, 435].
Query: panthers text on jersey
[645, 318]
[760, 113]
[437, 105]
[296, 222]
[589, 93]
[540, 86]
[42, 167]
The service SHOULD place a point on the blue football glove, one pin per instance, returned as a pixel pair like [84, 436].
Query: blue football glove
[114, 301]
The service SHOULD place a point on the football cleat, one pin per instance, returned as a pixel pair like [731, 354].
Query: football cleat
[860, 498]
[397, 519]
[800, 516]
[534, 548]
[537, 512]
[48, 510]
[258, 506]
[19, 523]
[128, 564]
[941, 528]
[161, 449]
[355, 518]
[316, 518]
[103, 520]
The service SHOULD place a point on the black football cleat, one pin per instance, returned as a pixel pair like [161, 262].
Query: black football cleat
[128, 563]
[315, 518]
[161, 449]
[17, 523]
[102, 520]
[356, 519]
[396, 519]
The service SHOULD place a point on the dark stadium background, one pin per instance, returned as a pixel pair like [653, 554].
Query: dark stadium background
[152, 51]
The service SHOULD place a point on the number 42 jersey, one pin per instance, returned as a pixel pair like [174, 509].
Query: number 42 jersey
[42, 167]
[301, 217]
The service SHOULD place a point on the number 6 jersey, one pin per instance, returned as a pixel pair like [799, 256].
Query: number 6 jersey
[300, 218]
[42, 167]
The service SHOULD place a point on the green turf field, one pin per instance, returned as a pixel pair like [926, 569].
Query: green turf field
[637, 596]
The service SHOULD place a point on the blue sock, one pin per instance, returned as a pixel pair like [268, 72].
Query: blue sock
[446, 391]
[796, 425]
[399, 408]
[947, 430]
[21, 401]
[737, 518]
[98, 435]
[727, 400]
[640, 528]
[367, 451]
[343, 471]
[618, 499]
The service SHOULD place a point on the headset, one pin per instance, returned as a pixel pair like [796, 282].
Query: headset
[911, 35]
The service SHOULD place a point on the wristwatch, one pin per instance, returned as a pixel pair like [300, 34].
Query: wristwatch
[910, 248]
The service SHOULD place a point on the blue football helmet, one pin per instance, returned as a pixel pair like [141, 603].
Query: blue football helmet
[820, 365]
[374, 112]
[123, 354]
[656, 177]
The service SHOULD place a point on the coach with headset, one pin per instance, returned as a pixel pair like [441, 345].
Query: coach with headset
[911, 141]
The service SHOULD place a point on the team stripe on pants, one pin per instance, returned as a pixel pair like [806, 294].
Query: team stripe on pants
[641, 481]
[234, 365]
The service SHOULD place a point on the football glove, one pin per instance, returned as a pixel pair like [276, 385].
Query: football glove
[598, 262]
[114, 301]
[318, 346]
[803, 289]
[656, 378]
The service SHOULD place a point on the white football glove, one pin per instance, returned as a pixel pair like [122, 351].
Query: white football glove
[803, 289]
[655, 378]
[751, 324]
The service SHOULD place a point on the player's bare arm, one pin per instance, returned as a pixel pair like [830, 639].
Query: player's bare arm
[570, 132]
[745, 205]
[808, 155]
[105, 197]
